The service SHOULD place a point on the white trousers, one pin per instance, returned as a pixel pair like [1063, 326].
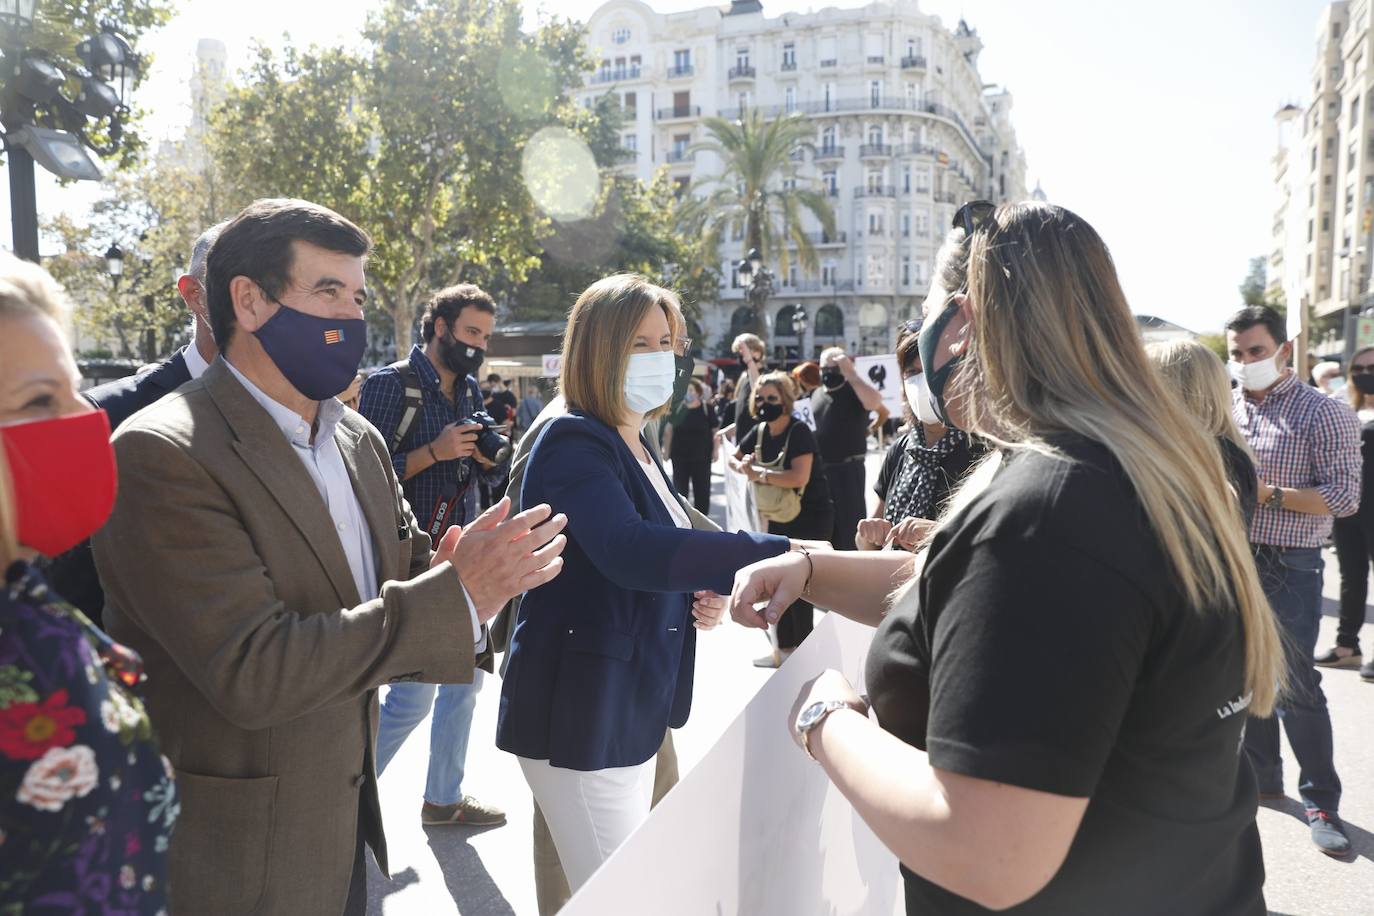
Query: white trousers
[589, 812]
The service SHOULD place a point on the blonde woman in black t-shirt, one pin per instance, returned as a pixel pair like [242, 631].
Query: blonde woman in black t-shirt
[1061, 694]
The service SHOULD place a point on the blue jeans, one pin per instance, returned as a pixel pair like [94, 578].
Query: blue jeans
[406, 706]
[1292, 580]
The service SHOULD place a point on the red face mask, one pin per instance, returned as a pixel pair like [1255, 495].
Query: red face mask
[63, 474]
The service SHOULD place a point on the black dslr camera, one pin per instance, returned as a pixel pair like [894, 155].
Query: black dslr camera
[494, 447]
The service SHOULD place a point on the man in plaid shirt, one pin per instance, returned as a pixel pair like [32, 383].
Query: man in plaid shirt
[1307, 457]
[438, 463]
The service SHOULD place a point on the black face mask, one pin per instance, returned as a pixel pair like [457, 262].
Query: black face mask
[683, 366]
[459, 358]
[832, 378]
[768, 411]
[1364, 383]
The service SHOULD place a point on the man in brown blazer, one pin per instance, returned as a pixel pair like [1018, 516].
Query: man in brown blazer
[262, 560]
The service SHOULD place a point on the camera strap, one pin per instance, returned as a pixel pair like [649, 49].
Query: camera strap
[449, 497]
[410, 407]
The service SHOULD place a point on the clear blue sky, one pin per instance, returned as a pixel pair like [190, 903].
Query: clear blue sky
[1152, 120]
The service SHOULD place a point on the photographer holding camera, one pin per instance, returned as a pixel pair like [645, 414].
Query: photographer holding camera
[428, 409]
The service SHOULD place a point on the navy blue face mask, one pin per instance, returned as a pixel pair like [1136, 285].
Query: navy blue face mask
[938, 379]
[318, 356]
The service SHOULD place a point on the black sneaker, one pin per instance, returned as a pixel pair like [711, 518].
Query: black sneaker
[1367, 672]
[1327, 832]
[1333, 658]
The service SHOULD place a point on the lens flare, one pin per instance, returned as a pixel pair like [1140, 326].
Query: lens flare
[560, 174]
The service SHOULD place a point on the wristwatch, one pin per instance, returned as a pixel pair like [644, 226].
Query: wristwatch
[814, 715]
[1275, 500]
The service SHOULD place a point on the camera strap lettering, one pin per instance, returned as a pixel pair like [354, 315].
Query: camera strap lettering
[451, 495]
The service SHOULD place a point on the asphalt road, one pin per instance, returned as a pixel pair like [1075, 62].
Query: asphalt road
[445, 870]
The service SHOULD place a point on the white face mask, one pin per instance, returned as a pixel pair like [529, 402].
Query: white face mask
[918, 396]
[1256, 376]
[649, 380]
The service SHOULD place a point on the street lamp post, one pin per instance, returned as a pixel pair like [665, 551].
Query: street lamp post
[799, 323]
[759, 288]
[41, 125]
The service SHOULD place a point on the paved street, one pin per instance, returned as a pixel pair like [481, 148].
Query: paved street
[479, 872]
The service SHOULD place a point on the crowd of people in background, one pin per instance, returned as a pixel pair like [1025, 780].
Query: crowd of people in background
[194, 641]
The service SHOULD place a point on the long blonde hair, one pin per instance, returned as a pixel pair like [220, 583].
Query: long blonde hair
[1055, 349]
[1196, 374]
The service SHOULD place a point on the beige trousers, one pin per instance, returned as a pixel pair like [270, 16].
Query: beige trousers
[550, 884]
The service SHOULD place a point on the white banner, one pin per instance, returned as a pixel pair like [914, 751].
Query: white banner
[740, 514]
[551, 364]
[883, 373]
[757, 828]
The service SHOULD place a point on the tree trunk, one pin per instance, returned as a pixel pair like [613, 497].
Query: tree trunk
[402, 325]
[753, 234]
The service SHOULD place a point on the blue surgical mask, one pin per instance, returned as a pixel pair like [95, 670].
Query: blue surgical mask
[936, 381]
[318, 356]
[649, 379]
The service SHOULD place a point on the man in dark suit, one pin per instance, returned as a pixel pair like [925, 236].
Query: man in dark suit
[73, 573]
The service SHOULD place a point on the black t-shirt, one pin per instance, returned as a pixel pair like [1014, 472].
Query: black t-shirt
[692, 434]
[816, 498]
[841, 423]
[1367, 445]
[916, 479]
[1046, 647]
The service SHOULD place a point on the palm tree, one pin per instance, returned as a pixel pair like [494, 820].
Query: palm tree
[758, 194]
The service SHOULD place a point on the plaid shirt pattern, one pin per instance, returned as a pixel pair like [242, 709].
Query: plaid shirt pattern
[382, 402]
[1301, 439]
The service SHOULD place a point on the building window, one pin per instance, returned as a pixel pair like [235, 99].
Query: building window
[682, 60]
[906, 270]
[906, 180]
[831, 183]
[828, 273]
[631, 104]
[875, 222]
[743, 100]
[629, 142]
[792, 274]
[1355, 111]
[911, 96]
[875, 93]
[789, 56]
[875, 134]
[620, 36]
[923, 224]
[1326, 223]
[828, 138]
[789, 184]
[922, 181]
[789, 99]
[741, 58]
[828, 95]
[874, 180]
[906, 225]
[680, 185]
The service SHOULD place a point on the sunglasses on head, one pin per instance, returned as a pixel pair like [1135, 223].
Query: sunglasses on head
[973, 215]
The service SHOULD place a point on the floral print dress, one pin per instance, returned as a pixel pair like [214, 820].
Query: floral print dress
[87, 802]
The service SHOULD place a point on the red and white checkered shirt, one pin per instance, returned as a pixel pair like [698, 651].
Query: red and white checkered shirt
[1301, 439]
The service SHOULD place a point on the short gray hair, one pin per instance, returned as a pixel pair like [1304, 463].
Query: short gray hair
[200, 251]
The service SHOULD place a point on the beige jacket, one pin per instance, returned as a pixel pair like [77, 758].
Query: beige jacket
[222, 568]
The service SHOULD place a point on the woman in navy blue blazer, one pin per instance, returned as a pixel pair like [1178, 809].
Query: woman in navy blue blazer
[601, 659]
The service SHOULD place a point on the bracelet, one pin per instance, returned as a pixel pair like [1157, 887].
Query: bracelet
[433, 457]
[810, 568]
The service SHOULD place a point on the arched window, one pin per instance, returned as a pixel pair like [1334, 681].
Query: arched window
[829, 323]
[740, 322]
[784, 325]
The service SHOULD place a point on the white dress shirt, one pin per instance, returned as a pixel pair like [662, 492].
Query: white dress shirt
[195, 363]
[326, 468]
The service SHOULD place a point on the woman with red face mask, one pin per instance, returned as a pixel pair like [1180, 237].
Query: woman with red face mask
[87, 802]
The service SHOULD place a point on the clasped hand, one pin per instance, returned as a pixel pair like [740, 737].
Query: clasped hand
[500, 557]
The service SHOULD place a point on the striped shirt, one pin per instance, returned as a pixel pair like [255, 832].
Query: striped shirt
[1301, 439]
[382, 402]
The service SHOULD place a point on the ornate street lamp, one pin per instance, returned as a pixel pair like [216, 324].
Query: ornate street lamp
[42, 125]
[759, 287]
[114, 262]
[799, 323]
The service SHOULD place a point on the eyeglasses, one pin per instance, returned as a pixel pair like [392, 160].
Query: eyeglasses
[1358, 369]
[682, 346]
[913, 326]
[768, 399]
[973, 215]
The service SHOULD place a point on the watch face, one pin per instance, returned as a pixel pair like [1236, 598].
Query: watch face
[809, 715]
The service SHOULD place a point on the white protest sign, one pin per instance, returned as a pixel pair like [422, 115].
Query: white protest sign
[757, 828]
[740, 514]
[552, 364]
[883, 373]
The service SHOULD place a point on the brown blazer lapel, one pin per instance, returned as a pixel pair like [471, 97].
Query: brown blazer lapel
[261, 445]
[372, 485]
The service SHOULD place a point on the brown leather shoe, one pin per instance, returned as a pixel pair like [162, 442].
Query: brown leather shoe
[467, 813]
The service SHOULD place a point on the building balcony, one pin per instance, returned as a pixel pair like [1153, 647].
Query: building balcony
[624, 155]
[741, 72]
[679, 155]
[872, 150]
[829, 152]
[829, 62]
[943, 197]
[822, 238]
[788, 65]
[875, 60]
[913, 62]
[680, 72]
[831, 192]
[677, 113]
[885, 190]
[844, 286]
[615, 75]
[915, 149]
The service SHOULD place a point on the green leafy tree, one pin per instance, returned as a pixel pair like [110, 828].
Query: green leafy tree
[1216, 343]
[759, 194]
[418, 137]
[59, 25]
[1256, 279]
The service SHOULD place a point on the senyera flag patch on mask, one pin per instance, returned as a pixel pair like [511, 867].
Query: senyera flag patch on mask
[333, 336]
